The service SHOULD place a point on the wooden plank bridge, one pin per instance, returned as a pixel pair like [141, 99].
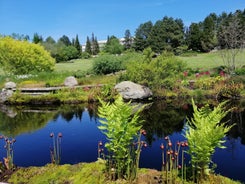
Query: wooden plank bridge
[46, 90]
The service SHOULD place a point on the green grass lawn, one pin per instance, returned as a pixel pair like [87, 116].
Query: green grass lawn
[74, 65]
[210, 60]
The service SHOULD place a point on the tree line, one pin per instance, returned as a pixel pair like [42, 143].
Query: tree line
[168, 34]
[215, 31]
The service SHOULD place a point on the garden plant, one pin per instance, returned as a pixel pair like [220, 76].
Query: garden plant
[205, 133]
[121, 125]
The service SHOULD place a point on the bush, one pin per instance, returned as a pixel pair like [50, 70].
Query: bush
[240, 71]
[106, 64]
[67, 53]
[22, 57]
[161, 72]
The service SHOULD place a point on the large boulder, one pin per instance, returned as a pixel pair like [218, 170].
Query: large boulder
[10, 85]
[70, 81]
[4, 95]
[133, 91]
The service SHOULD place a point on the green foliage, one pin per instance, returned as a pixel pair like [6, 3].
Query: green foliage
[204, 134]
[113, 46]
[166, 34]
[22, 57]
[240, 71]
[160, 72]
[13, 127]
[206, 83]
[121, 128]
[79, 173]
[142, 34]
[128, 40]
[230, 90]
[66, 53]
[106, 64]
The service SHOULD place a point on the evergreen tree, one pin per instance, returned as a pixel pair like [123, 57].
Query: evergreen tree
[77, 45]
[166, 34]
[208, 38]
[128, 40]
[50, 40]
[37, 38]
[141, 36]
[65, 40]
[96, 46]
[194, 37]
[157, 38]
[88, 46]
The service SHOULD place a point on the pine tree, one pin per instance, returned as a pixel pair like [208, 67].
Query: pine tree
[96, 46]
[88, 46]
[141, 36]
[77, 45]
[128, 40]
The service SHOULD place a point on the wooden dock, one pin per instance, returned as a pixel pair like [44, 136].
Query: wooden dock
[46, 90]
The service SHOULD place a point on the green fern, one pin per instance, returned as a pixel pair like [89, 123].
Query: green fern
[204, 134]
[121, 127]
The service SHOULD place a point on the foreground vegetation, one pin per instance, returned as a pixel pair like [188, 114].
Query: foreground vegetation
[120, 163]
[91, 173]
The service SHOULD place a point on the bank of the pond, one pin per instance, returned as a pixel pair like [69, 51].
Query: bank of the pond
[91, 173]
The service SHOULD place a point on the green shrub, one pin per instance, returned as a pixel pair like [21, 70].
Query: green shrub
[22, 57]
[161, 72]
[240, 71]
[106, 64]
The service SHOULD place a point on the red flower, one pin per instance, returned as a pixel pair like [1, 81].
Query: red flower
[143, 132]
[162, 146]
[186, 143]
[100, 143]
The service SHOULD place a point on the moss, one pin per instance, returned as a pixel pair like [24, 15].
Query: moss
[91, 173]
[79, 173]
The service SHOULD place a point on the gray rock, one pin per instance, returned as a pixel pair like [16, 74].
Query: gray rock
[130, 90]
[70, 81]
[5, 94]
[10, 85]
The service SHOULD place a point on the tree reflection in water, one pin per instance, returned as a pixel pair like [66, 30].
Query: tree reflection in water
[32, 124]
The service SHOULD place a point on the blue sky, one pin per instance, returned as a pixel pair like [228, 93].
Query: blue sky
[102, 17]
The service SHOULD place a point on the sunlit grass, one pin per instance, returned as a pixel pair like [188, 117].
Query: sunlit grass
[210, 60]
[74, 65]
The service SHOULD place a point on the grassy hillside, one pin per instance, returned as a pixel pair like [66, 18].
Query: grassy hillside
[75, 65]
[210, 60]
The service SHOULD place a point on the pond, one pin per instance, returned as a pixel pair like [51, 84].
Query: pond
[31, 127]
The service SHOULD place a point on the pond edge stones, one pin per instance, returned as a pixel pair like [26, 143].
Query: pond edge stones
[132, 91]
[70, 81]
[7, 91]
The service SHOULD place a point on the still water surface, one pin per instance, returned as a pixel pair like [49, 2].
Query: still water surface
[31, 128]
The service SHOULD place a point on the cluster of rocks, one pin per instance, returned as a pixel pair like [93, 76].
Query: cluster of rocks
[128, 90]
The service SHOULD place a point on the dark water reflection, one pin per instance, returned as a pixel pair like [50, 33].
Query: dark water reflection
[31, 127]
